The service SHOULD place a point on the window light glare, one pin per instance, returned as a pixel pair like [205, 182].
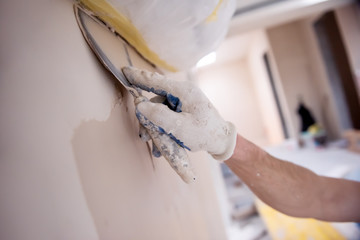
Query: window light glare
[208, 59]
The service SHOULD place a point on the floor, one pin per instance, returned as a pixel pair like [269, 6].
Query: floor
[246, 223]
[252, 228]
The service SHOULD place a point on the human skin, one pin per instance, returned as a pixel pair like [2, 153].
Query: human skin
[292, 189]
[287, 187]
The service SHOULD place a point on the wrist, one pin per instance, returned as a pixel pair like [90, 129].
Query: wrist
[245, 151]
[229, 144]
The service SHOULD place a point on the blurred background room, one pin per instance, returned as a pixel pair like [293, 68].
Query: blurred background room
[282, 63]
[72, 165]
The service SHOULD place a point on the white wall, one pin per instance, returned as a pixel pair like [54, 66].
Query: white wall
[71, 163]
[239, 86]
[264, 93]
[230, 88]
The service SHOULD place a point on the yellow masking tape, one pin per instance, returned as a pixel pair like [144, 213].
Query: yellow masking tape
[126, 29]
[213, 16]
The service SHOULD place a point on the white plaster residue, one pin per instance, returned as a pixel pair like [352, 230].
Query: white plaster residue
[201, 126]
[174, 154]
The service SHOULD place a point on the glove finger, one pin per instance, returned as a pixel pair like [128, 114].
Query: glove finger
[155, 151]
[143, 134]
[177, 158]
[174, 154]
[148, 81]
[157, 117]
[158, 84]
[174, 91]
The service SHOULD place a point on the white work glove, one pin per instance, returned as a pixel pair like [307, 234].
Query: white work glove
[195, 125]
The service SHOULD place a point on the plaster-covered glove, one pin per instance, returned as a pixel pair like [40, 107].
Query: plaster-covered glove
[196, 126]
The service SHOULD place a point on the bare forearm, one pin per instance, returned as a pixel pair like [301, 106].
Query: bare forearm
[341, 200]
[287, 187]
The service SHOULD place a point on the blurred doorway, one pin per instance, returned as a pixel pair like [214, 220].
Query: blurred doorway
[276, 95]
[338, 69]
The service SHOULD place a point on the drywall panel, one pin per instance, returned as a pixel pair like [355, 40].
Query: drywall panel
[71, 165]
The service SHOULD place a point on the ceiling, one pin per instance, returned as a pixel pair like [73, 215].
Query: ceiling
[234, 48]
[243, 6]
[256, 14]
[259, 14]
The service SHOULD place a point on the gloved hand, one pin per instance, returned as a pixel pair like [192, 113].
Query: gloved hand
[196, 125]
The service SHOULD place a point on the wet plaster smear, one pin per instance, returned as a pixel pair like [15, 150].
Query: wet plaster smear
[128, 196]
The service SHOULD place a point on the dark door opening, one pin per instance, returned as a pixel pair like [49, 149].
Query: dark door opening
[338, 70]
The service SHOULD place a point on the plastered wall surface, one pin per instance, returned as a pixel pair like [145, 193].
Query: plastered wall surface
[71, 165]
